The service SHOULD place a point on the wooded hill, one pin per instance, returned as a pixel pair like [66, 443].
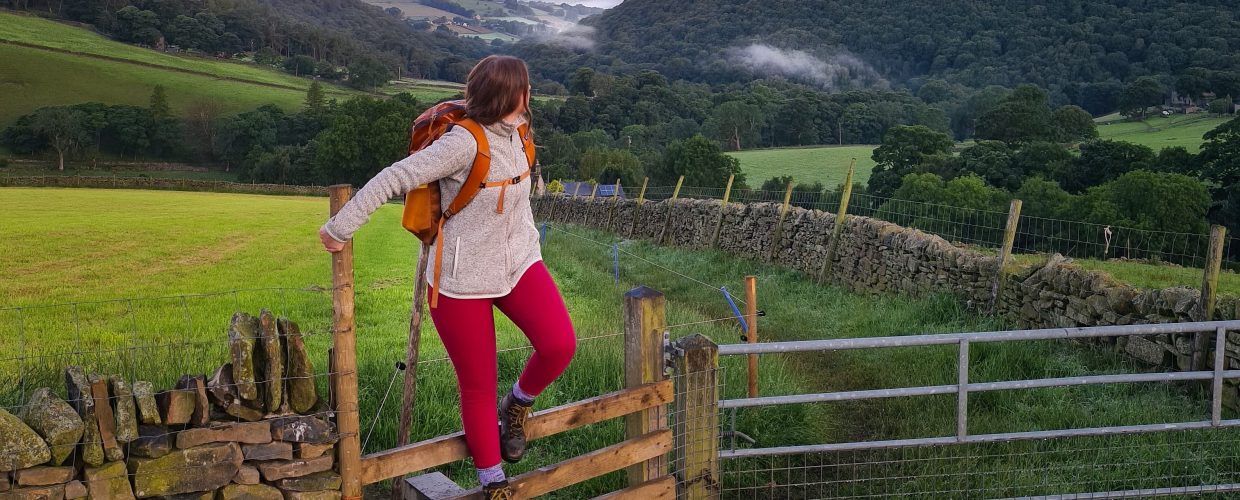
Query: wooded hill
[1080, 50]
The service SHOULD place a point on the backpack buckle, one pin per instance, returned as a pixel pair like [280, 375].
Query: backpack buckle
[516, 180]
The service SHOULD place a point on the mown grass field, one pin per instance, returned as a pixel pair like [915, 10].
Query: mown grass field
[825, 164]
[140, 268]
[104, 169]
[1161, 132]
[103, 70]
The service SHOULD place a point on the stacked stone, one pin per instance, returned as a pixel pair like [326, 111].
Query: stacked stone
[242, 435]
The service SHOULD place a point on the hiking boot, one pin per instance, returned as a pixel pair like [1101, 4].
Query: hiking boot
[498, 491]
[512, 414]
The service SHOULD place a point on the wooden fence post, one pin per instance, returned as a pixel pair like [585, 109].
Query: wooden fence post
[344, 361]
[1005, 253]
[641, 200]
[671, 204]
[723, 205]
[615, 198]
[779, 226]
[834, 245]
[697, 417]
[751, 318]
[645, 321]
[1209, 292]
[593, 191]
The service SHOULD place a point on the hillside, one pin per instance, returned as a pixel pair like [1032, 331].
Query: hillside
[825, 164]
[1160, 132]
[1062, 45]
[42, 63]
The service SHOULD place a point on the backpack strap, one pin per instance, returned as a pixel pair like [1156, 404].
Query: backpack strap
[469, 189]
[527, 142]
[477, 173]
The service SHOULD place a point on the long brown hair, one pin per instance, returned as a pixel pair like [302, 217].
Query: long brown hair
[496, 86]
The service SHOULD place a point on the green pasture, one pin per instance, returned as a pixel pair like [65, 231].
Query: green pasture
[825, 164]
[146, 282]
[1159, 132]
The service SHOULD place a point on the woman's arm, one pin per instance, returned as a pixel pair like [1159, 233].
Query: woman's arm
[451, 153]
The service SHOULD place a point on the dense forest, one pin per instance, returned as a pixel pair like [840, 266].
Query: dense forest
[332, 39]
[1082, 52]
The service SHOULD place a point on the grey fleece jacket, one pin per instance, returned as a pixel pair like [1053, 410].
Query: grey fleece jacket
[485, 252]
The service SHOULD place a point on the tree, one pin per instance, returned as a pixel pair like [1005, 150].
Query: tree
[368, 74]
[1073, 124]
[736, 124]
[1220, 155]
[1022, 116]
[62, 129]
[1156, 201]
[315, 100]
[1042, 198]
[1102, 161]
[1139, 95]
[299, 65]
[582, 82]
[904, 148]
[137, 25]
[605, 165]
[991, 161]
[700, 160]
[1221, 106]
[159, 103]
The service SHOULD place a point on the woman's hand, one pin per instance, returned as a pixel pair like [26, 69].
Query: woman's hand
[330, 244]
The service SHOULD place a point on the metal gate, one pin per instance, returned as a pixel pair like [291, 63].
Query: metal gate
[1174, 458]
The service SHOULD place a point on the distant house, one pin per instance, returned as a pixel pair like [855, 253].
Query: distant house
[585, 188]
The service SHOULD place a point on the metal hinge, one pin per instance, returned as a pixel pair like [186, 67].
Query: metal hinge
[671, 352]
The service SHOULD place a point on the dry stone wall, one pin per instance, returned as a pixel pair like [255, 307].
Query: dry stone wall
[253, 430]
[875, 256]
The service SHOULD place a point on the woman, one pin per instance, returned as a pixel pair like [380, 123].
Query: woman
[491, 258]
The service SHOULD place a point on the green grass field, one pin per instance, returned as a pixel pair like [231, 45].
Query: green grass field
[1159, 132]
[138, 269]
[825, 164]
[104, 70]
[104, 170]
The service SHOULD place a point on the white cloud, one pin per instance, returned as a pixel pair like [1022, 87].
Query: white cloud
[576, 36]
[838, 70]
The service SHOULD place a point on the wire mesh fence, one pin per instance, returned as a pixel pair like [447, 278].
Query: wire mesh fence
[1178, 463]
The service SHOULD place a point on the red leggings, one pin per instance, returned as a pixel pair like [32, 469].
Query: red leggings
[467, 329]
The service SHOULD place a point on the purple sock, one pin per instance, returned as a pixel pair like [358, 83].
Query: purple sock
[491, 475]
[521, 395]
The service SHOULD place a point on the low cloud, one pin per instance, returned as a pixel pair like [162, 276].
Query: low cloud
[576, 36]
[836, 71]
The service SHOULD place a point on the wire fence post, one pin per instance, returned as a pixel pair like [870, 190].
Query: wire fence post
[697, 422]
[645, 321]
[410, 390]
[637, 210]
[1209, 292]
[751, 313]
[838, 228]
[1005, 253]
[345, 359]
[723, 206]
[779, 225]
[671, 204]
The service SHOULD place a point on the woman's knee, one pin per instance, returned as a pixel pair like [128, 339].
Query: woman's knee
[563, 347]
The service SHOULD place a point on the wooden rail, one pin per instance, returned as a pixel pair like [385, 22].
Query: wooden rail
[596, 463]
[663, 488]
[450, 448]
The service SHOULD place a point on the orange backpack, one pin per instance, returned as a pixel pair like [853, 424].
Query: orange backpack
[424, 215]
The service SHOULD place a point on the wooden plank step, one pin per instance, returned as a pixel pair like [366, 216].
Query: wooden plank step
[432, 486]
[450, 448]
[663, 488]
[596, 463]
